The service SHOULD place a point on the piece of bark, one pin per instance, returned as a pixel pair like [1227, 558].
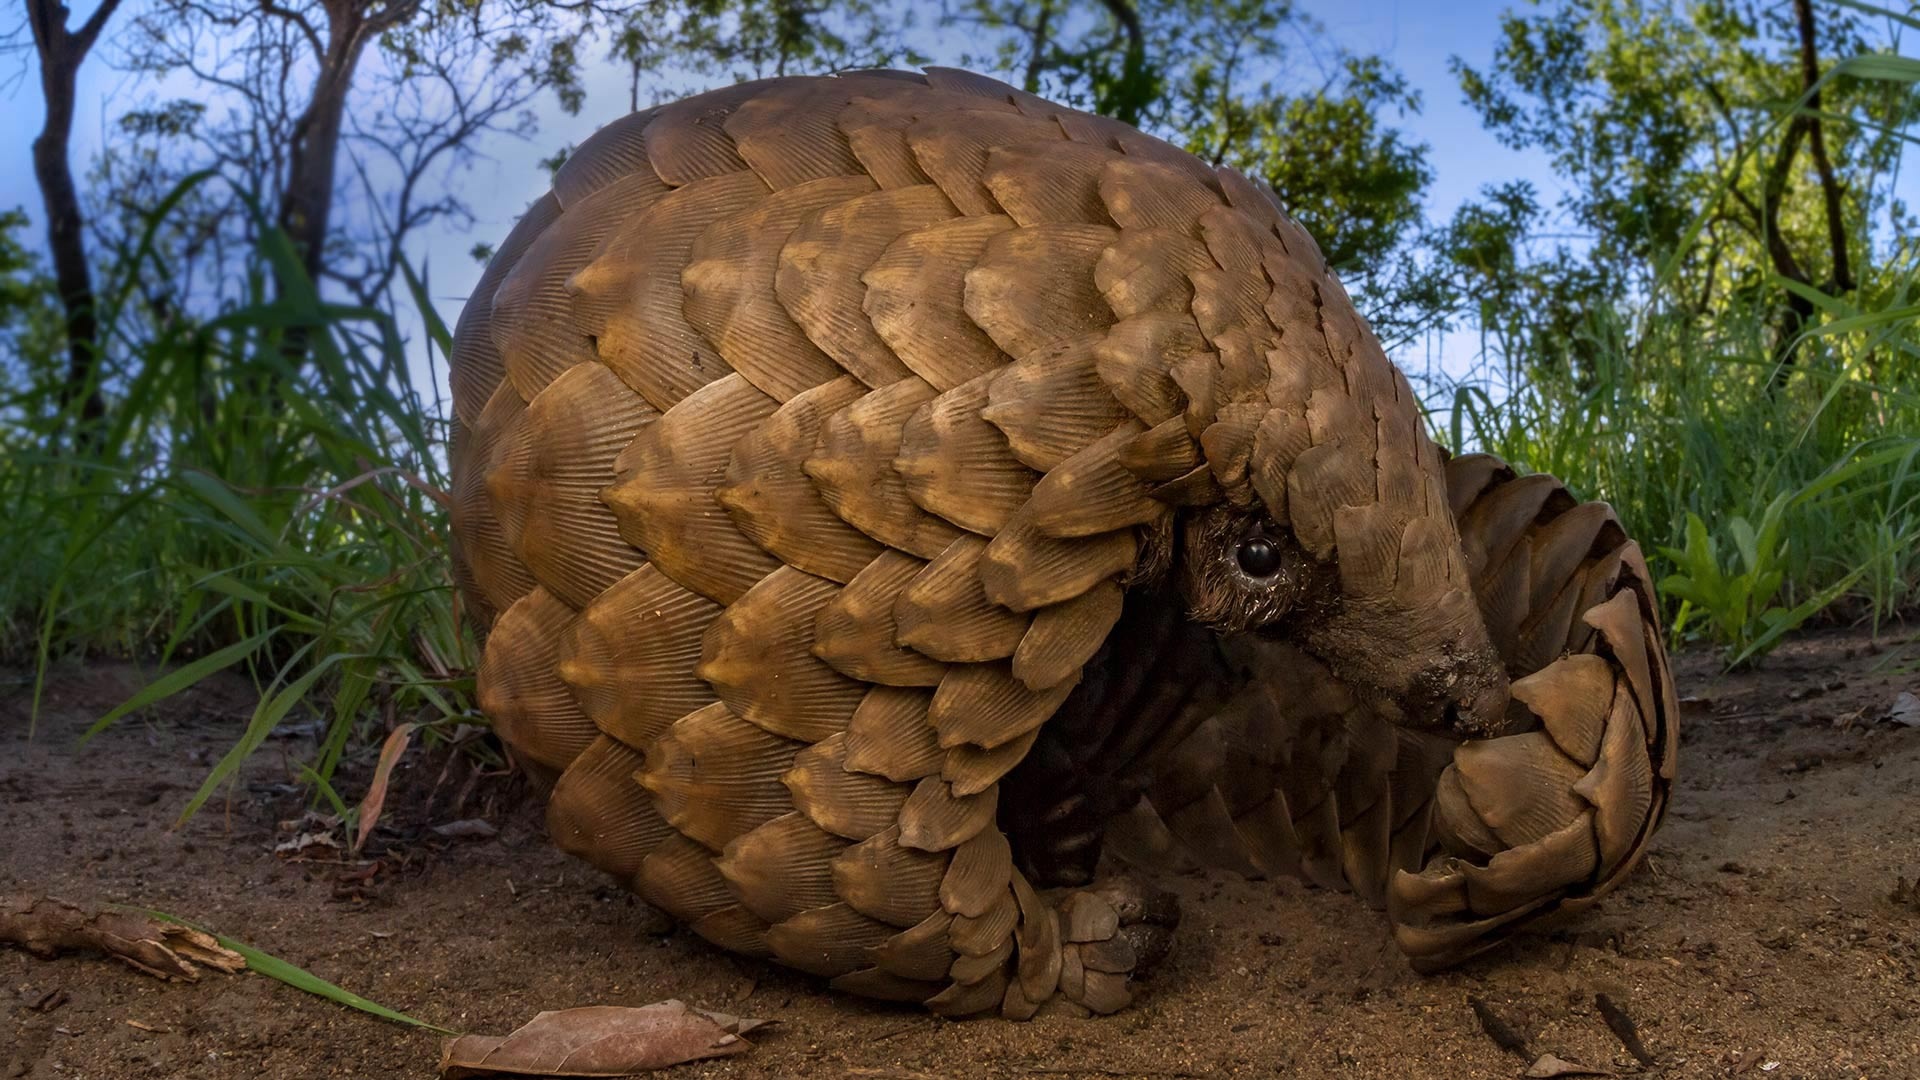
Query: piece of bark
[45, 927]
[1623, 1028]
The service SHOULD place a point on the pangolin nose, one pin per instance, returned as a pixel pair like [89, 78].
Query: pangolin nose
[1480, 714]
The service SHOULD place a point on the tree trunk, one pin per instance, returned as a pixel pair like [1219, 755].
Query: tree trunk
[306, 207]
[1799, 310]
[307, 204]
[61, 52]
[1138, 84]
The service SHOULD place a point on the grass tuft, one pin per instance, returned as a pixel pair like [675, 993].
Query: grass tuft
[264, 496]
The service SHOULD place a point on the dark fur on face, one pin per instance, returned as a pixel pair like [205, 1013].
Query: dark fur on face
[1222, 595]
[1410, 664]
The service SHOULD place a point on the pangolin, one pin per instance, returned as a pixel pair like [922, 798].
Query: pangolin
[884, 496]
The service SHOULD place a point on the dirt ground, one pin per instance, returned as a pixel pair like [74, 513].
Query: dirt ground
[1762, 938]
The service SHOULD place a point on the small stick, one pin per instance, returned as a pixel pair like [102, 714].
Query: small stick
[1099, 1071]
[1502, 1033]
[46, 927]
[1623, 1029]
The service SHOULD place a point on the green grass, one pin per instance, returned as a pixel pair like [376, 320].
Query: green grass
[1764, 495]
[234, 512]
[1735, 482]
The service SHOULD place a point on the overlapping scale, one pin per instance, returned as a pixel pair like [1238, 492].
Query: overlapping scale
[550, 476]
[518, 685]
[819, 279]
[728, 288]
[481, 536]
[533, 323]
[776, 504]
[629, 658]
[853, 465]
[663, 496]
[758, 656]
[475, 368]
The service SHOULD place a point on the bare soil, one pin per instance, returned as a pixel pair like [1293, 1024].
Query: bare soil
[1767, 935]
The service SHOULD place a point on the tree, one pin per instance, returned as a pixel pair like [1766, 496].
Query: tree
[665, 43]
[30, 315]
[1659, 117]
[308, 102]
[1254, 85]
[60, 52]
[309, 98]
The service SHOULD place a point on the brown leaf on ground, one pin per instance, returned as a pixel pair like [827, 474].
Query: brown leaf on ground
[1905, 710]
[309, 835]
[1548, 1066]
[467, 829]
[600, 1040]
[47, 927]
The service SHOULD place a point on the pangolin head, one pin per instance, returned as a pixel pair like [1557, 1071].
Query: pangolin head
[1336, 534]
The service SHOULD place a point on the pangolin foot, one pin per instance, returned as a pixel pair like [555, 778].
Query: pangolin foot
[1113, 932]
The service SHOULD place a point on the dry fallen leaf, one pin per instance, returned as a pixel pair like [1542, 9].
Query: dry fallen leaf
[310, 830]
[1906, 709]
[376, 797]
[1547, 1066]
[600, 1040]
[467, 829]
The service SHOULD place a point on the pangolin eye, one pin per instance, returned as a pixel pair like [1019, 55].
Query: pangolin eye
[1259, 557]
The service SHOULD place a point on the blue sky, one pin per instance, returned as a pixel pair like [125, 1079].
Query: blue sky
[1417, 37]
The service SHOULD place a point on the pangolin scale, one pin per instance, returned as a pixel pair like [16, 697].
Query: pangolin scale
[885, 496]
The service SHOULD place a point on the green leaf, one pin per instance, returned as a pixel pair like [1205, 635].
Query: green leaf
[437, 330]
[227, 585]
[1744, 542]
[1879, 66]
[182, 677]
[301, 979]
[215, 493]
[265, 718]
[1782, 623]
[1881, 12]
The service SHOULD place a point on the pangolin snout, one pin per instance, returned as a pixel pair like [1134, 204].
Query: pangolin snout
[1480, 713]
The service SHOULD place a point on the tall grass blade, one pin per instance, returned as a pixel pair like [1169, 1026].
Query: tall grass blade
[182, 677]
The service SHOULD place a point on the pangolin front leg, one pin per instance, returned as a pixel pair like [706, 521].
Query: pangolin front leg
[1549, 818]
[1463, 842]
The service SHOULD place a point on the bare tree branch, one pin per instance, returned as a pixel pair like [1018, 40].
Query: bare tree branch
[268, 7]
[90, 30]
[1038, 41]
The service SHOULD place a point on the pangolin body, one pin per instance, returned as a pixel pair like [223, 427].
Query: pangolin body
[883, 494]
